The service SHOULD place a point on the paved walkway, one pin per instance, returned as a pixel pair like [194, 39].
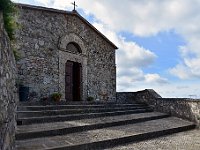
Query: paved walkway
[97, 135]
[189, 140]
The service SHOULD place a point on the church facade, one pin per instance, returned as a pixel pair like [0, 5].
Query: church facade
[62, 52]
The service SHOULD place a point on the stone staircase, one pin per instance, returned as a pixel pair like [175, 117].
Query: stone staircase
[90, 126]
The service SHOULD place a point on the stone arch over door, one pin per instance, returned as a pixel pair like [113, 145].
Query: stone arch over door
[72, 38]
[65, 55]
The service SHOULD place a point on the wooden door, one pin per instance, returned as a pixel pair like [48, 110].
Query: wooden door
[80, 82]
[77, 81]
[69, 81]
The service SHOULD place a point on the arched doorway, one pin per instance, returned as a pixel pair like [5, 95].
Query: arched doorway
[73, 75]
[72, 53]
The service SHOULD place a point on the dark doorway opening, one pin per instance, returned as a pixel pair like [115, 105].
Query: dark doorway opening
[73, 79]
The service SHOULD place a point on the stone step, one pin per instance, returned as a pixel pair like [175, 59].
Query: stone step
[40, 103]
[40, 113]
[62, 128]
[107, 137]
[59, 118]
[55, 107]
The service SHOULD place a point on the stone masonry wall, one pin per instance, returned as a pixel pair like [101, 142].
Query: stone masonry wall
[181, 107]
[146, 96]
[37, 45]
[42, 42]
[8, 96]
[125, 97]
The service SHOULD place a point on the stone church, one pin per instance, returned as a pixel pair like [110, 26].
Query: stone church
[60, 51]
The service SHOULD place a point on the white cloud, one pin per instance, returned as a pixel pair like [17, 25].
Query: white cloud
[136, 74]
[181, 71]
[189, 67]
[155, 78]
[134, 55]
[141, 17]
[180, 90]
[43, 2]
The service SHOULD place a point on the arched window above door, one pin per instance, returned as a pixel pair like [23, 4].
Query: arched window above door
[73, 48]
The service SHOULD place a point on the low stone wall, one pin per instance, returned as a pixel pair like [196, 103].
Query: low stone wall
[125, 97]
[7, 91]
[146, 96]
[180, 107]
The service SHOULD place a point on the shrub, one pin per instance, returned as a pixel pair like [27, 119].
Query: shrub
[90, 98]
[56, 96]
[9, 10]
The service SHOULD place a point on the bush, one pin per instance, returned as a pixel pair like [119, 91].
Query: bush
[56, 96]
[9, 10]
[90, 98]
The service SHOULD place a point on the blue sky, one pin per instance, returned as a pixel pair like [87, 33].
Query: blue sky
[165, 45]
[157, 40]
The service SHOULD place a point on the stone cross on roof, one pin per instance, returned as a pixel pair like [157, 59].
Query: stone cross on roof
[74, 3]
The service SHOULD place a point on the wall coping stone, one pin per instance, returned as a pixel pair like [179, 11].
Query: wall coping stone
[180, 99]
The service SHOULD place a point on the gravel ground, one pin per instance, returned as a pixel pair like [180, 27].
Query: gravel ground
[189, 140]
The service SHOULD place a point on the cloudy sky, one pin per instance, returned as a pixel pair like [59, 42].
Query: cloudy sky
[157, 40]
